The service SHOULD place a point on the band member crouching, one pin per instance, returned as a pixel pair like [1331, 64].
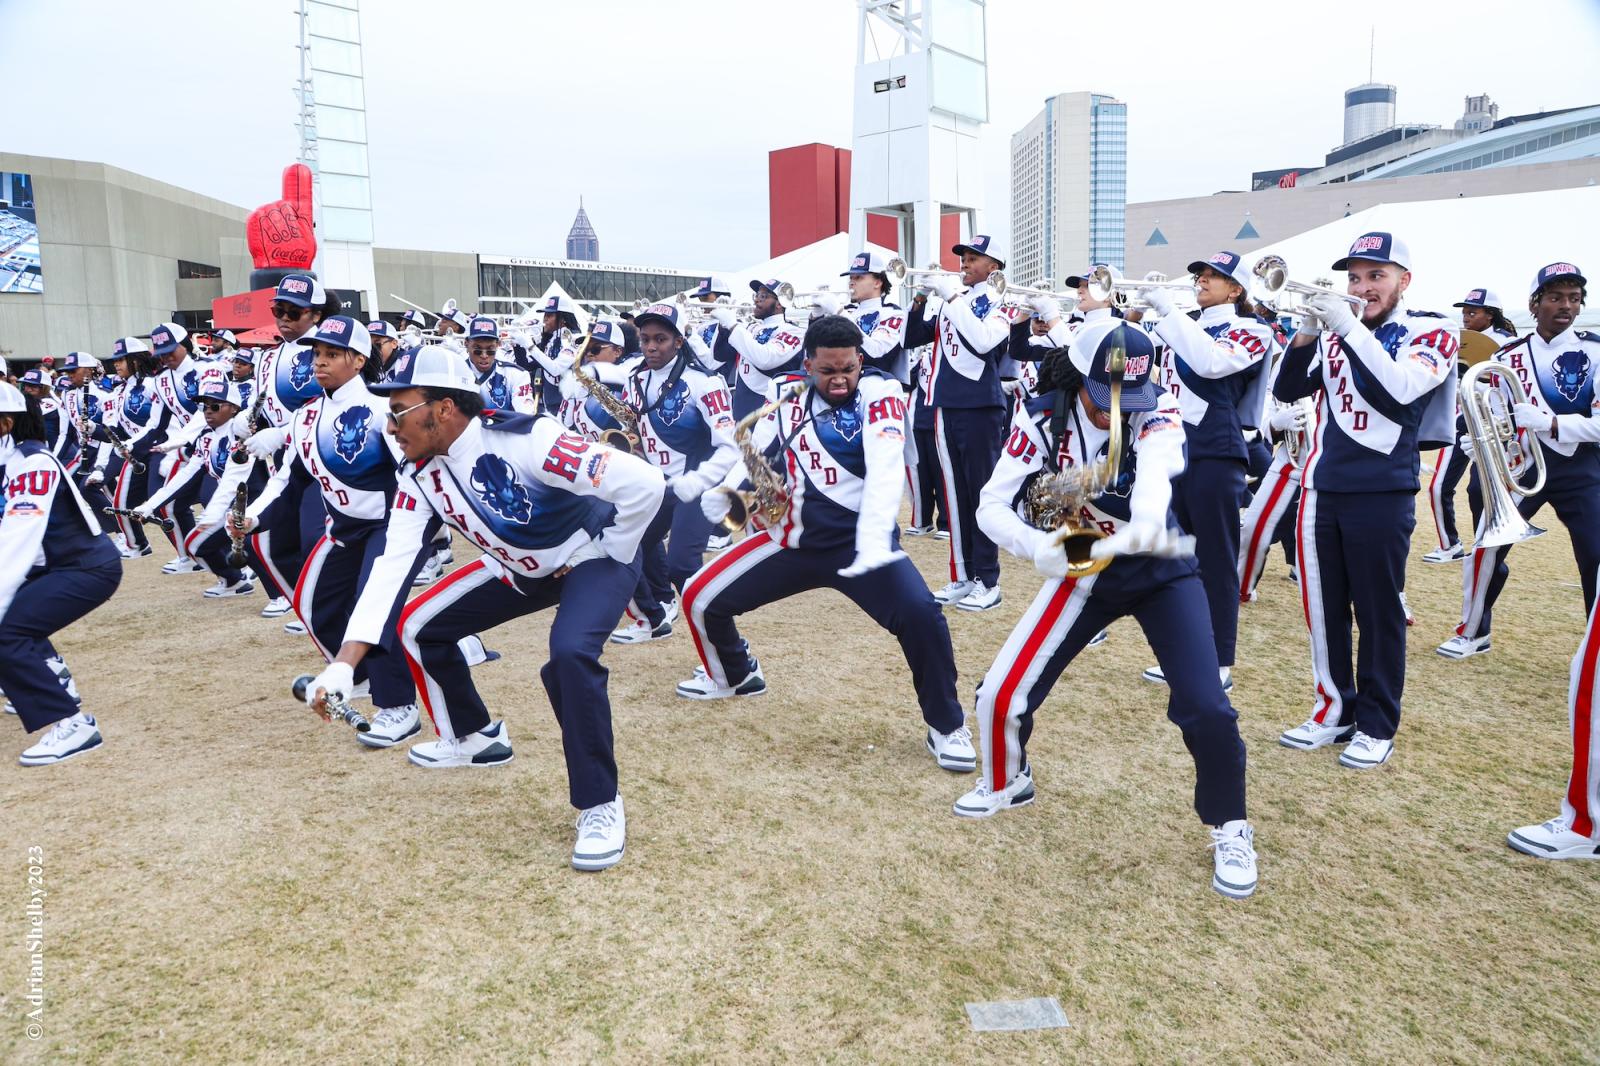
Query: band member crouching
[56, 565]
[559, 521]
[839, 439]
[1151, 577]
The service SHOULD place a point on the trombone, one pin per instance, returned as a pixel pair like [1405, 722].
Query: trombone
[1106, 289]
[1272, 283]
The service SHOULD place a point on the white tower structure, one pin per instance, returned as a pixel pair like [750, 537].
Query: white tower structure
[333, 143]
[921, 96]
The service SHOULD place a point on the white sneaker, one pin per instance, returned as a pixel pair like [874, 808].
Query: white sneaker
[444, 557]
[1411, 619]
[1098, 639]
[295, 628]
[640, 632]
[182, 565]
[489, 746]
[58, 666]
[1365, 752]
[1234, 859]
[1312, 734]
[391, 726]
[223, 589]
[953, 751]
[276, 607]
[9, 708]
[136, 552]
[602, 836]
[941, 534]
[671, 609]
[428, 574]
[981, 598]
[1554, 840]
[68, 737]
[954, 592]
[919, 531]
[1453, 554]
[1154, 674]
[982, 802]
[717, 542]
[701, 687]
[1294, 574]
[119, 542]
[1459, 647]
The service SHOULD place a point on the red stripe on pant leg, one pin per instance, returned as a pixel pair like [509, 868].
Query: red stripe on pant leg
[189, 541]
[697, 584]
[300, 582]
[169, 512]
[951, 511]
[418, 677]
[1582, 727]
[1305, 594]
[121, 501]
[1434, 496]
[1468, 599]
[1255, 537]
[1008, 687]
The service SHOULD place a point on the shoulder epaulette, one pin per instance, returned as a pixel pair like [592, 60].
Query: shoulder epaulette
[1585, 335]
[1508, 345]
[1423, 314]
[1041, 406]
[509, 421]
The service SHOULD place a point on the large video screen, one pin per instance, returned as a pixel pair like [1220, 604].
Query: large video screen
[19, 235]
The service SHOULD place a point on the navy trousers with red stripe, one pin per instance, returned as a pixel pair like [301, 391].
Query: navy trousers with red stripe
[1352, 556]
[673, 548]
[1487, 568]
[1205, 500]
[968, 441]
[588, 601]
[1167, 600]
[1581, 801]
[130, 489]
[46, 603]
[928, 505]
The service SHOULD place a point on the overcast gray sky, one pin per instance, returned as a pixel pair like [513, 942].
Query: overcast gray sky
[660, 113]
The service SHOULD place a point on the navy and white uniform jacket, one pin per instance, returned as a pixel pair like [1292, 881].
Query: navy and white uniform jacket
[85, 406]
[133, 407]
[921, 413]
[523, 490]
[1558, 376]
[1384, 392]
[582, 413]
[970, 334]
[210, 460]
[711, 349]
[686, 420]
[554, 356]
[507, 387]
[844, 466]
[1217, 367]
[46, 524]
[178, 391]
[1152, 455]
[60, 432]
[337, 442]
[770, 347]
[883, 332]
[286, 375]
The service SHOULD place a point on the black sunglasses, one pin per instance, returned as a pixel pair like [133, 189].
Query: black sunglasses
[289, 312]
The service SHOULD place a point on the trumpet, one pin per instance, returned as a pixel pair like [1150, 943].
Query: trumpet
[1501, 454]
[813, 297]
[1272, 283]
[998, 282]
[1105, 288]
[901, 274]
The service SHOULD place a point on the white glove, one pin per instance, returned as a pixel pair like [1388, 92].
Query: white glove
[687, 486]
[95, 478]
[591, 550]
[1307, 323]
[1336, 313]
[944, 286]
[1046, 308]
[1467, 447]
[1143, 538]
[1049, 557]
[167, 446]
[411, 338]
[336, 680]
[724, 317]
[1532, 418]
[249, 523]
[826, 304]
[715, 506]
[1160, 300]
[264, 443]
[1011, 386]
[870, 559]
[522, 338]
[1288, 418]
[141, 513]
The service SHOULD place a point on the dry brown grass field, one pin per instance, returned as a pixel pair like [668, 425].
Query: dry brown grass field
[230, 880]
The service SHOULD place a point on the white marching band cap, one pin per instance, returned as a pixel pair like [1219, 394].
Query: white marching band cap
[218, 388]
[167, 336]
[11, 399]
[433, 366]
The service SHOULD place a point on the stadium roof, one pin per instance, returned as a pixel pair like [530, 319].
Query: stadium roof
[1561, 135]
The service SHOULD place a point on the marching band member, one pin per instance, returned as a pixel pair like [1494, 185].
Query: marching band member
[128, 420]
[559, 519]
[83, 401]
[552, 353]
[286, 381]
[882, 322]
[1269, 519]
[220, 404]
[1575, 832]
[179, 422]
[55, 567]
[1556, 366]
[970, 335]
[580, 412]
[709, 343]
[452, 323]
[1216, 367]
[60, 434]
[1151, 577]
[839, 439]
[1481, 310]
[930, 511]
[686, 432]
[768, 346]
[412, 325]
[1388, 381]
[337, 448]
[504, 386]
[385, 342]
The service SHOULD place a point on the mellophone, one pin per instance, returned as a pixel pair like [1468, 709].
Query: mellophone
[336, 707]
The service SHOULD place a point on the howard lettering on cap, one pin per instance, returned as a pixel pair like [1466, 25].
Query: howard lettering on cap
[1475, 294]
[1560, 268]
[401, 364]
[1367, 244]
[161, 336]
[1136, 367]
[1222, 259]
[295, 285]
[664, 310]
[333, 325]
[861, 260]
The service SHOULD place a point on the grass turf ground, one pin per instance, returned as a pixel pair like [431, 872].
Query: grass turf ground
[228, 880]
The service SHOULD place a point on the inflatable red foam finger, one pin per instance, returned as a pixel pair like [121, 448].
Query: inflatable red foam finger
[281, 233]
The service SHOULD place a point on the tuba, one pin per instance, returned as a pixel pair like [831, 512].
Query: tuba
[1501, 453]
[768, 497]
[1055, 501]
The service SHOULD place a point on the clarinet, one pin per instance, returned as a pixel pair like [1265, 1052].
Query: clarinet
[336, 707]
[241, 500]
[166, 524]
[252, 423]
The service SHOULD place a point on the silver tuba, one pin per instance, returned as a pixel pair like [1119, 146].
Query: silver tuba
[1501, 454]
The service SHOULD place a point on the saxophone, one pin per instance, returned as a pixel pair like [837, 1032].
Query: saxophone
[625, 439]
[768, 496]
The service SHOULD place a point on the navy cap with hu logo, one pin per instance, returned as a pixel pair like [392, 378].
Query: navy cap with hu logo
[1566, 273]
[1229, 264]
[342, 331]
[1377, 247]
[867, 263]
[981, 244]
[1093, 348]
[483, 328]
[1481, 298]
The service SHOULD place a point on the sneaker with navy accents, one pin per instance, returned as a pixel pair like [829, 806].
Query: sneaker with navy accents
[489, 746]
[276, 607]
[1312, 734]
[1098, 639]
[602, 836]
[954, 592]
[953, 751]
[1554, 839]
[1460, 647]
[66, 739]
[391, 725]
[1154, 675]
[1453, 554]
[983, 801]
[919, 531]
[980, 598]
[641, 632]
[1365, 752]
[182, 565]
[1234, 859]
[701, 687]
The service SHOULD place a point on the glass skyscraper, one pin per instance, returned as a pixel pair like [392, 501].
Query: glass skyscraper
[1069, 187]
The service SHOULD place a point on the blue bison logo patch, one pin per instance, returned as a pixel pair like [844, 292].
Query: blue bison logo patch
[495, 482]
[350, 432]
[300, 372]
[847, 420]
[1571, 371]
[137, 403]
[499, 393]
[673, 404]
[191, 385]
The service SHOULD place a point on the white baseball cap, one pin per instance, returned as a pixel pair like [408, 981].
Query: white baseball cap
[11, 399]
[433, 366]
